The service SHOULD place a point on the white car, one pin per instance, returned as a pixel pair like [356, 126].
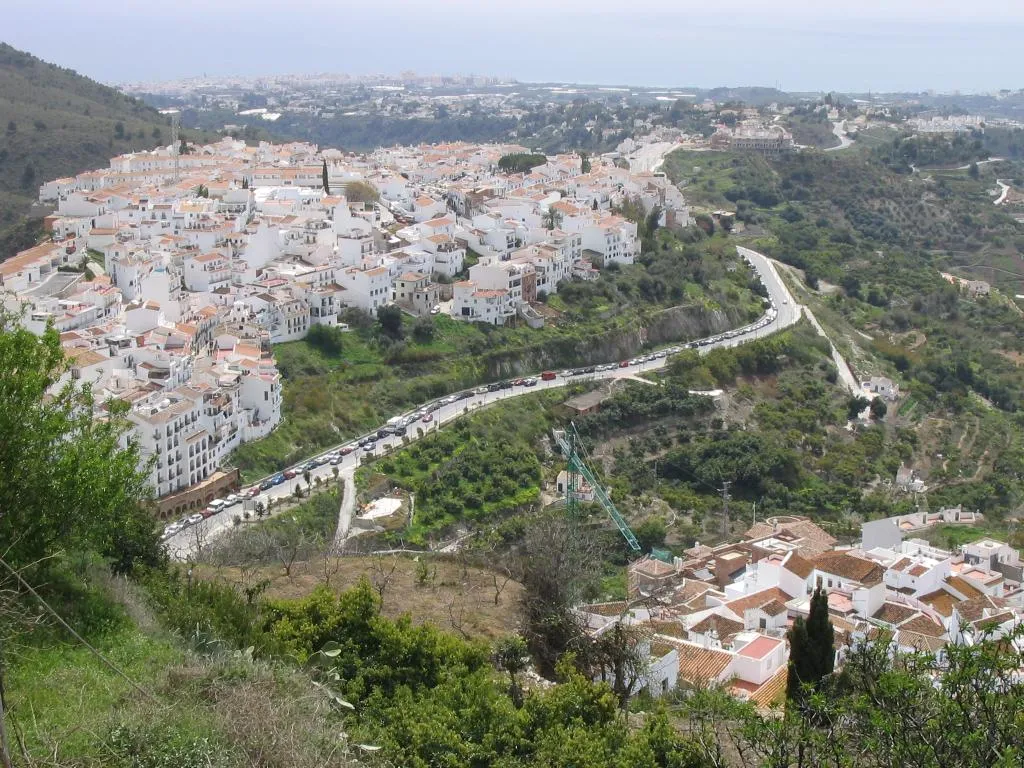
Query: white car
[171, 529]
[196, 518]
[231, 500]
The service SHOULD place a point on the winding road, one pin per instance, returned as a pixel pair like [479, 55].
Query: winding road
[839, 130]
[184, 544]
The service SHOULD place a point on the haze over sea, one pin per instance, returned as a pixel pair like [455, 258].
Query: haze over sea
[801, 46]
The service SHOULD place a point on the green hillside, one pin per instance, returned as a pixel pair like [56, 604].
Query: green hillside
[55, 122]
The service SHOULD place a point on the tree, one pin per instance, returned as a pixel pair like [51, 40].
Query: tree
[811, 649]
[584, 163]
[69, 483]
[327, 185]
[878, 408]
[651, 533]
[119, 130]
[390, 318]
[423, 330]
[552, 218]
[512, 656]
[361, 192]
[972, 171]
[28, 176]
[560, 564]
[855, 406]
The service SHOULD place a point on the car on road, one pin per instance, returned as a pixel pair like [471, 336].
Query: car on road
[590, 369]
[196, 518]
[530, 382]
[624, 364]
[266, 484]
[209, 512]
[345, 450]
[400, 431]
[467, 394]
[385, 432]
[278, 479]
[436, 309]
[289, 474]
[427, 418]
[172, 529]
[481, 391]
[548, 376]
[336, 460]
[370, 447]
[253, 492]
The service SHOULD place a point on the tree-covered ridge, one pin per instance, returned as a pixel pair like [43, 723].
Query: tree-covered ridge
[55, 123]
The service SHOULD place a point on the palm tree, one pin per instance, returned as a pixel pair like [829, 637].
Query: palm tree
[552, 218]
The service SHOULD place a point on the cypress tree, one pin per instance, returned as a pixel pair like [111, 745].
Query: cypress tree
[327, 186]
[811, 647]
[821, 635]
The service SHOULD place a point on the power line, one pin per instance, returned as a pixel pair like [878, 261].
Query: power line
[77, 636]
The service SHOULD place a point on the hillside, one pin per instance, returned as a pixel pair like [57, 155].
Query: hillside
[55, 122]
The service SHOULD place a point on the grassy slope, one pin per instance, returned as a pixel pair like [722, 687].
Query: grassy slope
[64, 124]
[65, 707]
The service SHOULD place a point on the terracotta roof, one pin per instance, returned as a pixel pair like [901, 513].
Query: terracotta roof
[771, 691]
[815, 539]
[700, 666]
[964, 587]
[847, 566]
[801, 566]
[975, 608]
[774, 608]
[894, 613]
[941, 601]
[670, 628]
[922, 625]
[724, 627]
[758, 599]
[759, 647]
[920, 642]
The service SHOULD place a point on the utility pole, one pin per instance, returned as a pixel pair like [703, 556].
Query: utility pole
[725, 507]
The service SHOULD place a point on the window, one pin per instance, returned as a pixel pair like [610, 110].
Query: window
[763, 623]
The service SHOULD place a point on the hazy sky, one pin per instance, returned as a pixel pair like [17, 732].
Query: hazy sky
[795, 44]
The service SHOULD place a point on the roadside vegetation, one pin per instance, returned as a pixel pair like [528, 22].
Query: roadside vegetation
[339, 385]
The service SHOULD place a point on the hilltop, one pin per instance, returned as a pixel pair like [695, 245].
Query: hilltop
[55, 122]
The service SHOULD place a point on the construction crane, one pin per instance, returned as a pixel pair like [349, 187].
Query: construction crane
[570, 444]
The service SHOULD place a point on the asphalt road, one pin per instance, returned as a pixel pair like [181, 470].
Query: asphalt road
[184, 544]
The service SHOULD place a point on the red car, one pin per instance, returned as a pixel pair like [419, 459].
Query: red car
[346, 450]
[548, 375]
[289, 474]
[624, 364]
[427, 418]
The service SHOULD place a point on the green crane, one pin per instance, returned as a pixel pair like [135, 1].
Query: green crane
[569, 443]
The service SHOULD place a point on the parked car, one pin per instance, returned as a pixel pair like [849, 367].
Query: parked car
[208, 512]
[400, 431]
[289, 474]
[346, 450]
[530, 382]
[427, 418]
[548, 375]
[278, 479]
[196, 518]
[480, 391]
[436, 309]
[624, 364]
[171, 529]
[493, 387]
[266, 484]
[336, 460]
